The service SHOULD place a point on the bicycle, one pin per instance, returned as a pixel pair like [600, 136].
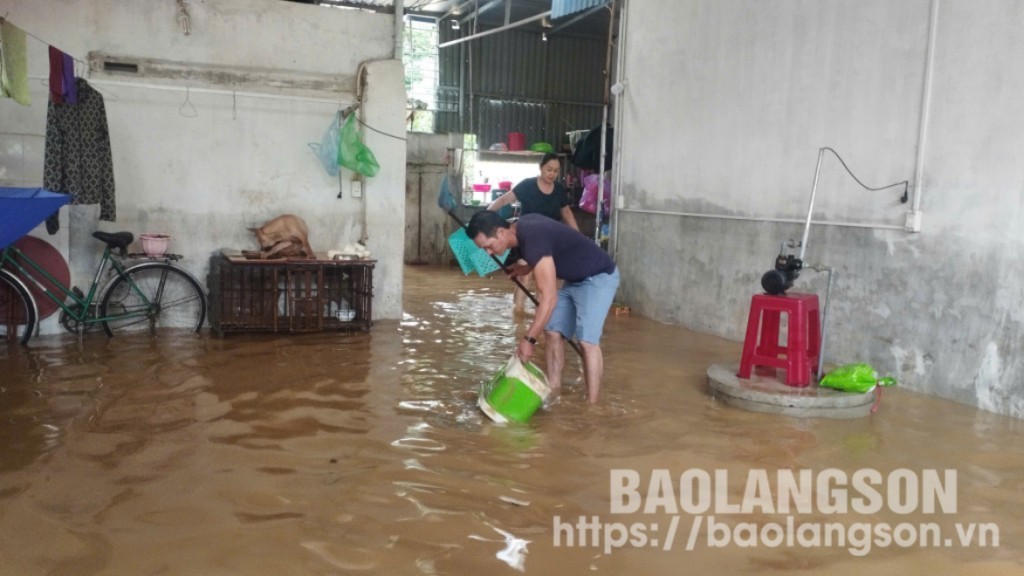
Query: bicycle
[152, 294]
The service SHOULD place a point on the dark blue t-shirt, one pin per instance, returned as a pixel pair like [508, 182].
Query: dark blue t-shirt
[534, 201]
[576, 256]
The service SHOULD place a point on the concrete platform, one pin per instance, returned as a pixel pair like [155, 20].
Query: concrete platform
[766, 393]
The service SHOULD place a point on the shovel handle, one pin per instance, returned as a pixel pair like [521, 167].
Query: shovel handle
[575, 345]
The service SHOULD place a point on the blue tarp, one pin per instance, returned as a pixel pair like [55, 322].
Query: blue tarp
[22, 209]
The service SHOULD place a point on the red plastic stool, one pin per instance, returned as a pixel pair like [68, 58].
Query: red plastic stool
[803, 342]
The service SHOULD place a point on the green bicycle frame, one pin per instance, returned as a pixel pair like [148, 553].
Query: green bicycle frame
[11, 256]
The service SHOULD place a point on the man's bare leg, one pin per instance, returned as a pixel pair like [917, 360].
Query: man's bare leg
[518, 302]
[554, 355]
[519, 297]
[593, 369]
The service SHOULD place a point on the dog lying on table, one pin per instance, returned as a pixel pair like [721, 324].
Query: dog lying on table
[284, 237]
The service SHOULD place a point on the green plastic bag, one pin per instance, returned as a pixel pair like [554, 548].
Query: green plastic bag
[352, 153]
[855, 378]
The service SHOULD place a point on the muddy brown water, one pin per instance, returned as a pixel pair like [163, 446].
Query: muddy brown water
[366, 454]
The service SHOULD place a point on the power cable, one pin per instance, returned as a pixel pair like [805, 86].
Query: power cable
[906, 183]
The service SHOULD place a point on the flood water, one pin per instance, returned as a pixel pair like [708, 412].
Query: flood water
[366, 454]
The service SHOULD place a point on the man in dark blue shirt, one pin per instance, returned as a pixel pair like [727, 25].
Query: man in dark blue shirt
[554, 251]
[545, 195]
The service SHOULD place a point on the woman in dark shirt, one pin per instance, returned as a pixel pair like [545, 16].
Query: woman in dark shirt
[541, 195]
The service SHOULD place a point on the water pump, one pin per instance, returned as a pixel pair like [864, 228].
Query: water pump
[787, 269]
[788, 266]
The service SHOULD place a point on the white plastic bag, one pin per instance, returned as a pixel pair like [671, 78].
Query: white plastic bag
[327, 149]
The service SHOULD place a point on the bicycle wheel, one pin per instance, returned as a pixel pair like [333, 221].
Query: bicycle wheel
[17, 310]
[173, 299]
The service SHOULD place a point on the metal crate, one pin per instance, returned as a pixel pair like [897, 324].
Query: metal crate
[290, 296]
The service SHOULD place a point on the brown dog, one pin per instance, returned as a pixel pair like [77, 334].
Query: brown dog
[284, 236]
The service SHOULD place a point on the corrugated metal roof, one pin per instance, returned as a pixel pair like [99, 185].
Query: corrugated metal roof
[543, 80]
[521, 83]
[489, 14]
[561, 8]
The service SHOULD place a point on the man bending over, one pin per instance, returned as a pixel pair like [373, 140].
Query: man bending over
[554, 251]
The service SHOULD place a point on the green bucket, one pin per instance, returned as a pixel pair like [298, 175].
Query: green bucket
[515, 393]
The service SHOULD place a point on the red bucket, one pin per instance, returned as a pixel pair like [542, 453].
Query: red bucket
[516, 141]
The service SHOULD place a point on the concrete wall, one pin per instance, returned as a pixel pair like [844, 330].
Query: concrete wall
[205, 164]
[725, 108]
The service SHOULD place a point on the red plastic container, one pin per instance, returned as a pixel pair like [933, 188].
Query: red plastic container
[504, 185]
[481, 187]
[516, 141]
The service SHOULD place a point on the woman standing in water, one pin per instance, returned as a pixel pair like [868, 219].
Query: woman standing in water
[541, 195]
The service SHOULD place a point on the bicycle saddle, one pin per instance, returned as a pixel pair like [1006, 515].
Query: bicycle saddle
[114, 239]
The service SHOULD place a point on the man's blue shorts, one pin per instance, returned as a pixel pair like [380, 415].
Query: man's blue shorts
[583, 306]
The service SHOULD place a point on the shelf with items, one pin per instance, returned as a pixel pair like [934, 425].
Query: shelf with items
[525, 156]
[494, 167]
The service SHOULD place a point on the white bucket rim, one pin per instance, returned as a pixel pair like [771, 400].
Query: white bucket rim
[491, 413]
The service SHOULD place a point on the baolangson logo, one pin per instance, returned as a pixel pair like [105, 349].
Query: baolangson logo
[787, 508]
[831, 491]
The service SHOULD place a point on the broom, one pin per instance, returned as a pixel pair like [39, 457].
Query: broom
[447, 203]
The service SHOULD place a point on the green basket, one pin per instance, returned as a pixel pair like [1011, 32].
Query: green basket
[471, 257]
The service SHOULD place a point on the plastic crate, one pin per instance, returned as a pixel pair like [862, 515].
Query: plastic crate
[471, 257]
[290, 296]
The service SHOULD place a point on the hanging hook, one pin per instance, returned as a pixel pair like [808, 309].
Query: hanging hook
[188, 102]
[184, 18]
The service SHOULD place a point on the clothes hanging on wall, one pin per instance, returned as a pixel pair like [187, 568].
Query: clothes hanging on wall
[13, 64]
[78, 160]
[68, 84]
[56, 76]
[62, 78]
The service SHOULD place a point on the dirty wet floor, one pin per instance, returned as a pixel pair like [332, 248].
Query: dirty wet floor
[366, 454]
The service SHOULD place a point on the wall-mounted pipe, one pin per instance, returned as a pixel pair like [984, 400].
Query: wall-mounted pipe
[620, 75]
[604, 126]
[175, 88]
[926, 102]
[810, 207]
[515, 24]
[762, 219]
[399, 27]
[824, 315]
